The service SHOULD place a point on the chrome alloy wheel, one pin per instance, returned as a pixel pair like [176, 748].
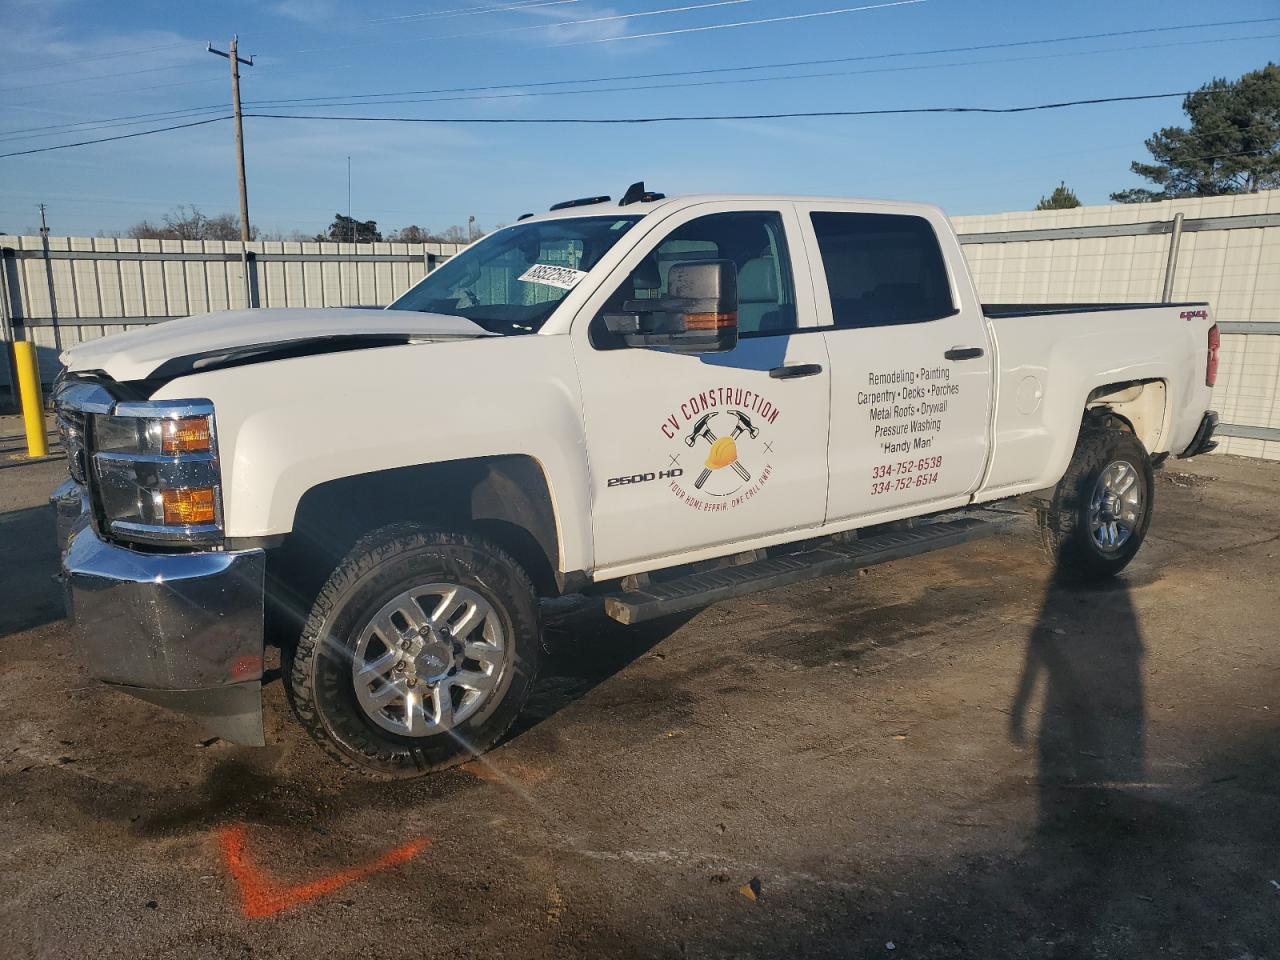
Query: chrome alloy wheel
[431, 658]
[1116, 506]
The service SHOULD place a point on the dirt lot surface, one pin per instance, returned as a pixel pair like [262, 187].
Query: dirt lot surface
[948, 756]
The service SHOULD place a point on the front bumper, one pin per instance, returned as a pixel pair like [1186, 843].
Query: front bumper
[182, 630]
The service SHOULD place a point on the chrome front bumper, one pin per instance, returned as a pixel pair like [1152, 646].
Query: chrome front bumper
[182, 630]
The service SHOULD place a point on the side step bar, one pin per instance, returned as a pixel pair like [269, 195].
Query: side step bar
[700, 589]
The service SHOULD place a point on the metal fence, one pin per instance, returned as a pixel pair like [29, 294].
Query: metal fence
[1225, 250]
[58, 291]
[61, 290]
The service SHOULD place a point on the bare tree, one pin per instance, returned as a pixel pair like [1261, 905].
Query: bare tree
[454, 233]
[410, 234]
[188, 223]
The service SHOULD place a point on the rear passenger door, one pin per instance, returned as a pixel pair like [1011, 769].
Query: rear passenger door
[910, 360]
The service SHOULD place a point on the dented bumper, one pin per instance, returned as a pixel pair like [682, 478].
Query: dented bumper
[182, 630]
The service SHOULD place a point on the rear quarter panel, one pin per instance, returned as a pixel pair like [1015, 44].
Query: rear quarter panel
[1047, 365]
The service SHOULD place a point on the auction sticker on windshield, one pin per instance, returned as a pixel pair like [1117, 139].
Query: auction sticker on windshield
[566, 278]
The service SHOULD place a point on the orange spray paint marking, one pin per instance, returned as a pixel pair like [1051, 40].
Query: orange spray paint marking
[261, 897]
[247, 666]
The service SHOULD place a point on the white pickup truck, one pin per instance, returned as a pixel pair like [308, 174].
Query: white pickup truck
[663, 401]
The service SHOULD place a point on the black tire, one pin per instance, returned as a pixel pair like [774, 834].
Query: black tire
[318, 675]
[1065, 521]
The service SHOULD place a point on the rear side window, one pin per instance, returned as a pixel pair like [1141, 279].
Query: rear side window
[882, 269]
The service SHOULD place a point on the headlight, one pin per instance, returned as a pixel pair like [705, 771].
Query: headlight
[155, 470]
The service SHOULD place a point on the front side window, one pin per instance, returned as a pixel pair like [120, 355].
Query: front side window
[511, 281]
[756, 243]
[882, 269]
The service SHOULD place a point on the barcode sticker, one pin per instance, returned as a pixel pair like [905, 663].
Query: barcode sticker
[566, 278]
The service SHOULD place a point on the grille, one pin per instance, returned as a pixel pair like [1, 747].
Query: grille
[74, 398]
[71, 427]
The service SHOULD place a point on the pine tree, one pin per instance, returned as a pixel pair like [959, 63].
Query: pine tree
[1233, 145]
[1062, 198]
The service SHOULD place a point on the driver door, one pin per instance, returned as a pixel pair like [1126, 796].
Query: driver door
[658, 423]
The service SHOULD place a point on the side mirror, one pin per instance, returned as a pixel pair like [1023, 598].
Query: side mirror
[698, 315]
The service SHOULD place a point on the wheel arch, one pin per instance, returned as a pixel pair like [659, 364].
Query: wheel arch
[1141, 405]
[506, 499]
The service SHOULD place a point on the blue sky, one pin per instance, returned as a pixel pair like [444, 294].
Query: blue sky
[59, 65]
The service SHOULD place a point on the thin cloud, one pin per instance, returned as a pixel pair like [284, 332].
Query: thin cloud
[310, 12]
[748, 23]
[606, 20]
[470, 11]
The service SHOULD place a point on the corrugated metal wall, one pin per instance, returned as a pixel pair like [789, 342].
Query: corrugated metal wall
[1235, 265]
[1228, 254]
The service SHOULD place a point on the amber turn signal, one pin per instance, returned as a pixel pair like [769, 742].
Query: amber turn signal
[185, 435]
[189, 506]
[710, 321]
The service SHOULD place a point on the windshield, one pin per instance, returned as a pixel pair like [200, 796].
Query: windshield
[511, 281]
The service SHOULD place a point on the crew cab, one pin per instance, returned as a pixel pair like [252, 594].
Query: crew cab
[659, 401]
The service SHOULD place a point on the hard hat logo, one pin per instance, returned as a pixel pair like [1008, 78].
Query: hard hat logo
[723, 452]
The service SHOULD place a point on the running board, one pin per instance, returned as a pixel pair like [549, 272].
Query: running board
[700, 589]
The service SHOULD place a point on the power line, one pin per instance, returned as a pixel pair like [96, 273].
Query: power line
[663, 119]
[83, 126]
[98, 76]
[101, 56]
[341, 102]
[122, 136]
[117, 91]
[899, 111]
[778, 65]
[742, 23]
[334, 99]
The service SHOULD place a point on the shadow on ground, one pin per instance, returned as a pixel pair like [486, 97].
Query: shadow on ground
[29, 596]
[1114, 862]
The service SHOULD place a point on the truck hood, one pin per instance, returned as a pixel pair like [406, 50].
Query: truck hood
[205, 341]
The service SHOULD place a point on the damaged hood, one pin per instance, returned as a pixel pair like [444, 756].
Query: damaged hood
[209, 340]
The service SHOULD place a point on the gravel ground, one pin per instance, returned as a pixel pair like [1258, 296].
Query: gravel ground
[946, 756]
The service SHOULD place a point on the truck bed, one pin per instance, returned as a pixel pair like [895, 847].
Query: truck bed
[1037, 309]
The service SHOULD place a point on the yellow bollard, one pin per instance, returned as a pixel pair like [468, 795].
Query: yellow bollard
[32, 404]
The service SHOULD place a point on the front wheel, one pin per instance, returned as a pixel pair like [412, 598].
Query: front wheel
[1100, 510]
[418, 653]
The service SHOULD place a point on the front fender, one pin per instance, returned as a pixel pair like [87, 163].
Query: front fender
[287, 426]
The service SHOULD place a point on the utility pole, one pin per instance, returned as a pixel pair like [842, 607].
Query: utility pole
[235, 60]
[48, 276]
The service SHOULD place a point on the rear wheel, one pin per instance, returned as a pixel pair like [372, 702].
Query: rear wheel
[1099, 513]
[418, 654]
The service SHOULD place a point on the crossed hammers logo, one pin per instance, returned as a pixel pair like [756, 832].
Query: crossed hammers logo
[721, 447]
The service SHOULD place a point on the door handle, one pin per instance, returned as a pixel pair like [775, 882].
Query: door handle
[795, 370]
[964, 353]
